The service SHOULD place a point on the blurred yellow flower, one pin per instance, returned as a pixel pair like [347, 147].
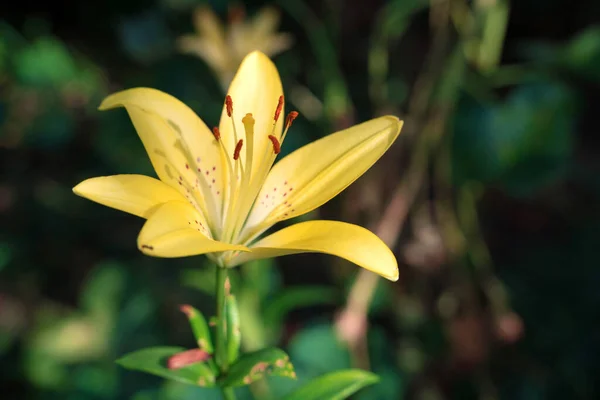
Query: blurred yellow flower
[224, 47]
[219, 191]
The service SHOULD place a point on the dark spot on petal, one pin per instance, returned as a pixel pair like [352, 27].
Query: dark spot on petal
[174, 126]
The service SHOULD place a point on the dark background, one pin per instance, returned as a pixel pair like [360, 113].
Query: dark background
[497, 166]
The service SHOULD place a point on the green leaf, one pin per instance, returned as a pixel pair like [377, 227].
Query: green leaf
[45, 63]
[297, 297]
[521, 144]
[261, 276]
[582, 54]
[337, 385]
[6, 254]
[397, 15]
[153, 360]
[232, 315]
[319, 350]
[253, 366]
[104, 288]
[199, 327]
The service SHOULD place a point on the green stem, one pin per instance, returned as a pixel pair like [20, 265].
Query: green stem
[228, 393]
[221, 345]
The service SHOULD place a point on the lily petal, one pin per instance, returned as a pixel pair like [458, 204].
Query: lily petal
[174, 230]
[315, 173]
[135, 194]
[265, 23]
[352, 242]
[182, 149]
[211, 52]
[209, 41]
[208, 25]
[255, 89]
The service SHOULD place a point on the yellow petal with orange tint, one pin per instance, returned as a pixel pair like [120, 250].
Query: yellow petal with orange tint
[135, 194]
[175, 230]
[179, 144]
[255, 89]
[352, 242]
[315, 173]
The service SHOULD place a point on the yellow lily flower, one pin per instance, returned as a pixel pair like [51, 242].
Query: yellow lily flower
[224, 47]
[219, 191]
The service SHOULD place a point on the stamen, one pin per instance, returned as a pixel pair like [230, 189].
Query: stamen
[228, 192]
[246, 176]
[229, 108]
[290, 118]
[276, 145]
[253, 188]
[238, 148]
[229, 105]
[288, 123]
[279, 108]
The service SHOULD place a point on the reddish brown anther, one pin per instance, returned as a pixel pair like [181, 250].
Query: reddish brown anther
[279, 108]
[216, 133]
[290, 118]
[186, 358]
[229, 105]
[276, 145]
[238, 148]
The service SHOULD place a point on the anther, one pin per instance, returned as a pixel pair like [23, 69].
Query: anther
[229, 105]
[216, 133]
[276, 145]
[238, 148]
[290, 118]
[279, 108]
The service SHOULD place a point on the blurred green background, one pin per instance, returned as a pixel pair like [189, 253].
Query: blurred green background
[494, 183]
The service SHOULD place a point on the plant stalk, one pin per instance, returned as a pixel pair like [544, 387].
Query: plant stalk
[221, 356]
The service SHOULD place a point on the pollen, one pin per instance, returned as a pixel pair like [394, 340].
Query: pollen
[229, 105]
[238, 148]
[276, 145]
[279, 108]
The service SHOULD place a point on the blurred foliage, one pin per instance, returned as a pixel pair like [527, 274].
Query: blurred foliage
[522, 143]
[499, 270]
